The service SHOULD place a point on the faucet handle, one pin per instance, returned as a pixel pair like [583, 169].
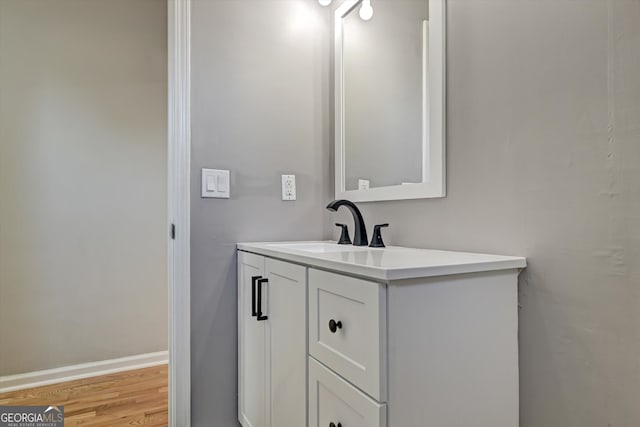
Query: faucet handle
[344, 237]
[376, 240]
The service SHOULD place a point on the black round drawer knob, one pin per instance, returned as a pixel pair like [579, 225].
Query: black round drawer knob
[333, 327]
[334, 425]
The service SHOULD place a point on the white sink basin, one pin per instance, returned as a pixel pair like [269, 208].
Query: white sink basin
[317, 247]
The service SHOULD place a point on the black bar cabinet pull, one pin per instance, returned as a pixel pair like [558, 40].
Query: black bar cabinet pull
[334, 425]
[259, 316]
[254, 311]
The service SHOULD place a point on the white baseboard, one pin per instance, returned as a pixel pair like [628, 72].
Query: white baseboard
[84, 370]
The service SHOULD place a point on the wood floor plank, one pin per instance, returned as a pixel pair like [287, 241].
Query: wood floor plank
[131, 398]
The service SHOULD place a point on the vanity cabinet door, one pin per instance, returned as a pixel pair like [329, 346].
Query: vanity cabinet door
[252, 372]
[272, 342]
[335, 402]
[286, 309]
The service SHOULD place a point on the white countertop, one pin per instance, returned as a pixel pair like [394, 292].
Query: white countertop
[387, 264]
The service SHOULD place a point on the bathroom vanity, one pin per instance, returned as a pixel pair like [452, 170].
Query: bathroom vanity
[342, 336]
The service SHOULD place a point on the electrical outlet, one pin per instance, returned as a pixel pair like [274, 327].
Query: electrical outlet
[363, 184]
[288, 187]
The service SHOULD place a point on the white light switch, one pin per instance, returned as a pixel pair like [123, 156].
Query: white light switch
[223, 183]
[211, 183]
[215, 183]
[288, 187]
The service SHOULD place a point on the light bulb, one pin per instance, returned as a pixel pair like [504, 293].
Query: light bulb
[324, 2]
[366, 11]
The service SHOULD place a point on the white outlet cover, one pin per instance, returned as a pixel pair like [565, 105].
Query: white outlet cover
[363, 184]
[288, 187]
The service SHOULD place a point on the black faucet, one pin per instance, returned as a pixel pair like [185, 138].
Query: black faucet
[360, 234]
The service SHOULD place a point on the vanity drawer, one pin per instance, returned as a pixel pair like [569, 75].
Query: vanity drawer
[333, 400]
[347, 329]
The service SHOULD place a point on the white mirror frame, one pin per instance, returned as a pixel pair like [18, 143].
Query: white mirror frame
[435, 116]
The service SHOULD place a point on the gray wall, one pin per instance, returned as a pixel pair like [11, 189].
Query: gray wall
[260, 109]
[82, 181]
[544, 161]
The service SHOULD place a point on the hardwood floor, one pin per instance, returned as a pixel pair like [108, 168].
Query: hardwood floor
[128, 398]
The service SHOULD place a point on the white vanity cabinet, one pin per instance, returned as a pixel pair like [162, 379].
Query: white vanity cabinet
[272, 342]
[394, 337]
[439, 351]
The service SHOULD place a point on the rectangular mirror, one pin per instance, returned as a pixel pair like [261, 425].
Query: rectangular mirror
[390, 99]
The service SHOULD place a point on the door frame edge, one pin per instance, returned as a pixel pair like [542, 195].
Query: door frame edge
[179, 188]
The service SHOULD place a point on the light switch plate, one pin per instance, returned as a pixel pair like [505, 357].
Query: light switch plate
[288, 187]
[215, 183]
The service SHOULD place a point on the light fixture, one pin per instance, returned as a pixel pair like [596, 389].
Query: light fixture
[324, 2]
[366, 11]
